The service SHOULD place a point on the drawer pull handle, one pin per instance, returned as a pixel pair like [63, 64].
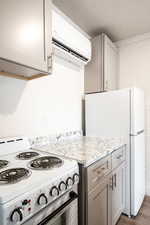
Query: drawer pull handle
[119, 156]
[101, 170]
[98, 172]
[100, 167]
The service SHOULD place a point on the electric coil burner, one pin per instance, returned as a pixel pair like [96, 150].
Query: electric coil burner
[45, 162]
[3, 163]
[13, 175]
[27, 155]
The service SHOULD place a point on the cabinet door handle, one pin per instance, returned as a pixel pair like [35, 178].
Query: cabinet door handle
[115, 180]
[112, 183]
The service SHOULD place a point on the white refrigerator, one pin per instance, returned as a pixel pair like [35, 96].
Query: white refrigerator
[120, 113]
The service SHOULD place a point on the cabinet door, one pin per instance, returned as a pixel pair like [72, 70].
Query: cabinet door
[118, 193]
[25, 32]
[110, 65]
[94, 69]
[98, 205]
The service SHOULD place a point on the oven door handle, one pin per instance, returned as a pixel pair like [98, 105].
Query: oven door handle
[60, 210]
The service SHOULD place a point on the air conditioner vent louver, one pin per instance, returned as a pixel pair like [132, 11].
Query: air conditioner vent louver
[57, 43]
[69, 50]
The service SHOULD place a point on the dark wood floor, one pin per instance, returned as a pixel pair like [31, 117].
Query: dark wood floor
[143, 217]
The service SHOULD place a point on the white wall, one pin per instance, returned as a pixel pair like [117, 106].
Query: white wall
[43, 106]
[134, 70]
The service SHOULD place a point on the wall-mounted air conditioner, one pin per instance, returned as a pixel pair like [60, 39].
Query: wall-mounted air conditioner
[68, 42]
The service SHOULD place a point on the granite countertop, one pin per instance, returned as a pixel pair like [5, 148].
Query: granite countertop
[86, 150]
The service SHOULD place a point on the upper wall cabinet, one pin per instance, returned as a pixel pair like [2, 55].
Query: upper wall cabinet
[25, 40]
[101, 71]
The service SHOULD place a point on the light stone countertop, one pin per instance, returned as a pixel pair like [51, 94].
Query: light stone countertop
[86, 150]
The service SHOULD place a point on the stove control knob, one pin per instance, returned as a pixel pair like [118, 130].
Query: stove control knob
[76, 178]
[62, 186]
[42, 200]
[16, 215]
[54, 191]
[69, 182]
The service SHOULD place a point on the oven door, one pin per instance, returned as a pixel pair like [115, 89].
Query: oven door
[66, 214]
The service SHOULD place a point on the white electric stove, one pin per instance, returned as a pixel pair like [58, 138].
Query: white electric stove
[31, 182]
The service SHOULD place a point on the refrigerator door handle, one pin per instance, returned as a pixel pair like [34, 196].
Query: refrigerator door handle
[138, 133]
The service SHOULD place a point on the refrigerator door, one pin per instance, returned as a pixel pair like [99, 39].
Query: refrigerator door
[137, 172]
[108, 114]
[137, 111]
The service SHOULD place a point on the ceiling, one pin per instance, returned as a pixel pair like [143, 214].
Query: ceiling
[120, 19]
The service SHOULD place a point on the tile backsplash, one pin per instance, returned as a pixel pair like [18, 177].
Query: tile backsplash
[48, 139]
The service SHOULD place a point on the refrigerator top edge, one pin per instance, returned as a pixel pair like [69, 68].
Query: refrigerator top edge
[131, 89]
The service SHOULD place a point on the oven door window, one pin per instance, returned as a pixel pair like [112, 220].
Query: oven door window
[65, 214]
[61, 220]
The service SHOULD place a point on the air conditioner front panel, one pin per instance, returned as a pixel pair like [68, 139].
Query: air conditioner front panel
[67, 34]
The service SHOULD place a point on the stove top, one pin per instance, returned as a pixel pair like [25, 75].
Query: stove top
[13, 175]
[45, 162]
[27, 155]
[32, 180]
[23, 169]
[3, 163]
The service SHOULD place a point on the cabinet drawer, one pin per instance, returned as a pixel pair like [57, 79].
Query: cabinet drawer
[118, 157]
[97, 171]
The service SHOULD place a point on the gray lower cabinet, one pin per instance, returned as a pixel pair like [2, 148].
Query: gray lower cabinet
[118, 193]
[106, 189]
[99, 202]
